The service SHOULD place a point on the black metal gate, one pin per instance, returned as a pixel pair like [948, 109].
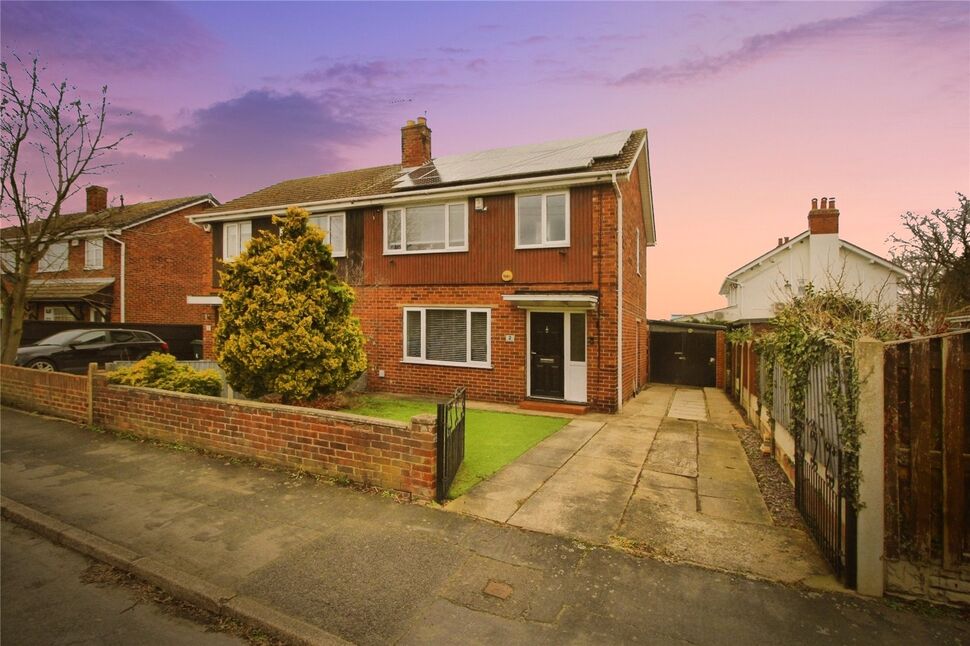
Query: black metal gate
[451, 441]
[822, 467]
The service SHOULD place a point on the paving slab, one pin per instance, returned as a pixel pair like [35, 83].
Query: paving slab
[660, 479]
[588, 508]
[502, 494]
[621, 444]
[688, 404]
[747, 510]
[586, 466]
[682, 499]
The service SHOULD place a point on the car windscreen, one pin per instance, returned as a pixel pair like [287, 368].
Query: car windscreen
[61, 338]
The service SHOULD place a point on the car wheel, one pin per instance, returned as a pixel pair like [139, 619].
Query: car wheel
[45, 365]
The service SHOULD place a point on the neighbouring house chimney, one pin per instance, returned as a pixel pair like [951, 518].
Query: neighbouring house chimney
[97, 199]
[824, 218]
[415, 143]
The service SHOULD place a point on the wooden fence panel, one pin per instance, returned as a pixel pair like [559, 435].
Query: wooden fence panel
[953, 436]
[921, 471]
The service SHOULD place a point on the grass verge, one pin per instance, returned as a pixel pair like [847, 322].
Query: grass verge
[492, 439]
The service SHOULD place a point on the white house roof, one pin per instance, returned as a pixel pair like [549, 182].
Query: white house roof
[848, 246]
[548, 156]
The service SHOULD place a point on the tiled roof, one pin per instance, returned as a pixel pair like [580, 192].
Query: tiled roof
[116, 217]
[66, 289]
[382, 180]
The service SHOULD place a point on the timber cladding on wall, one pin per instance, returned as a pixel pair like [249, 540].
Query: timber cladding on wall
[388, 454]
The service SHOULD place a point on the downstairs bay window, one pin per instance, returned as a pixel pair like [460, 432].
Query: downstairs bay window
[459, 337]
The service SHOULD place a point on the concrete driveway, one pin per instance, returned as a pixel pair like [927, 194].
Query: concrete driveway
[667, 476]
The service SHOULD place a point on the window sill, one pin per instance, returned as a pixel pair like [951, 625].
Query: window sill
[93, 268]
[447, 364]
[394, 252]
[557, 245]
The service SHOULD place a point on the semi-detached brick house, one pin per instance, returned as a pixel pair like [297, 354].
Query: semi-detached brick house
[137, 263]
[518, 272]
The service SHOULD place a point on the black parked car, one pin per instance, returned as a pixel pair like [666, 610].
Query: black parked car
[73, 350]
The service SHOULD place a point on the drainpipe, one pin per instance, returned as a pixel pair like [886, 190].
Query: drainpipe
[619, 294]
[122, 244]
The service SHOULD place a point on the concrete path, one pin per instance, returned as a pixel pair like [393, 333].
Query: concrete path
[374, 571]
[659, 477]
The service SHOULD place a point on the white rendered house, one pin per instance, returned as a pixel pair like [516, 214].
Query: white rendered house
[816, 256]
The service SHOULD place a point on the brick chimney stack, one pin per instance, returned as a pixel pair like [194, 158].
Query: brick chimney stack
[97, 199]
[824, 218]
[415, 143]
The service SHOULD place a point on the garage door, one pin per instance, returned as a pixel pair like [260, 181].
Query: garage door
[686, 357]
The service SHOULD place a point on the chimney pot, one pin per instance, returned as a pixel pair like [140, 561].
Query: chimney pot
[780, 241]
[97, 199]
[410, 122]
[415, 143]
[814, 203]
[825, 203]
[831, 202]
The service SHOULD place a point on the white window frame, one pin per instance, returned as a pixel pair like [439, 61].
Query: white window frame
[638, 252]
[543, 243]
[487, 364]
[44, 264]
[404, 242]
[91, 244]
[341, 215]
[225, 238]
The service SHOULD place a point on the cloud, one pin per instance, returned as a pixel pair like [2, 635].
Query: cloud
[145, 37]
[454, 50]
[367, 73]
[920, 23]
[236, 146]
[531, 40]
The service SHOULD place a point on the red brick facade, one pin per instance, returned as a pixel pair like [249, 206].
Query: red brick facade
[388, 454]
[165, 259]
[387, 283]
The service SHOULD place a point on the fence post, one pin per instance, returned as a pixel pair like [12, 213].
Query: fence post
[92, 368]
[872, 513]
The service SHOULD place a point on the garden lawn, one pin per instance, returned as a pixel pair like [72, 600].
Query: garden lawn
[492, 439]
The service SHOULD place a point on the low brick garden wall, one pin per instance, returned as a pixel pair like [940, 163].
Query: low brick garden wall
[51, 393]
[388, 454]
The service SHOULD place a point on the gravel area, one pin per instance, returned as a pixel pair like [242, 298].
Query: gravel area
[778, 492]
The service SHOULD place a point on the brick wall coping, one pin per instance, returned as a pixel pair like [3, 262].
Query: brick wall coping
[282, 408]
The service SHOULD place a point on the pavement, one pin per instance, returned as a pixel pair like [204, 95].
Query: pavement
[46, 602]
[668, 475]
[328, 563]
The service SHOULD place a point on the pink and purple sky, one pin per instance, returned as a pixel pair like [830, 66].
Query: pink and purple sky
[752, 108]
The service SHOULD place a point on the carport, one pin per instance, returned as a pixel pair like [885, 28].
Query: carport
[687, 354]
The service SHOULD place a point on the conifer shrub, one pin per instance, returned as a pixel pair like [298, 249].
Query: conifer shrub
[164, 372]
[285, 325]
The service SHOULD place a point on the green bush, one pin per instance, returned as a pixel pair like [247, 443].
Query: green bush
[285, 325]
[164, 372]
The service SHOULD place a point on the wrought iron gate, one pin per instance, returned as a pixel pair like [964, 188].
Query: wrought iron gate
[821, 468]
[451, 441]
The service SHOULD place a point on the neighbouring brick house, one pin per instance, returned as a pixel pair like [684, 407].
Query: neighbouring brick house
[517, 272]
[137, 263]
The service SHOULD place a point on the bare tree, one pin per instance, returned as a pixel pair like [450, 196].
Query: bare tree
[51, 140]
[934, 249]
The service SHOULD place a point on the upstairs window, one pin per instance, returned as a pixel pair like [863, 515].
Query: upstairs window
[447, 336]
[55, 258]
[426, 229]
[94, 253]
[542, 220]
[235, 236]
[335, 226]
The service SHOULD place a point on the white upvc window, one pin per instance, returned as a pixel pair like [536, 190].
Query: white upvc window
[638, 252]
[235, 236]
[57, 313]
[542, 220]
[335, 226]
[94, 253]
[55, 258]
[428, 228]
[448, 336]
[8, 259]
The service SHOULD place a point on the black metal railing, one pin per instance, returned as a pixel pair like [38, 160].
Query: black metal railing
[451, 441]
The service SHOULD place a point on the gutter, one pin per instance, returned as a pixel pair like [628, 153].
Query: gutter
[122, 281]
[619, 294]
[590, 177]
